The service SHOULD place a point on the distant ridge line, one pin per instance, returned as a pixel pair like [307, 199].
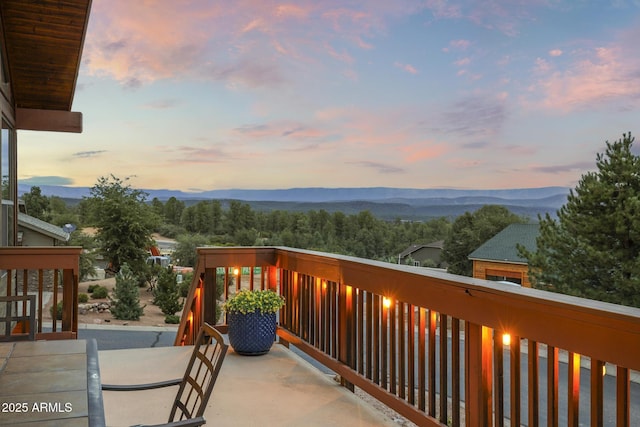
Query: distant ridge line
[324, 194]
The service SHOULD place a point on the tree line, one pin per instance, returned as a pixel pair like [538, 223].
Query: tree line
[125, 220]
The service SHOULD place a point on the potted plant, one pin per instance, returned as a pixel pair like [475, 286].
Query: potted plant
[251, 320]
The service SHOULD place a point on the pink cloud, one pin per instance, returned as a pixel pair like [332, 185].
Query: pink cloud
[443, 9]
[460, 163]
[291, 10]
[340, 56]
[603, 75]
[281, 130]
[555, 52]
[406, 67]
[422, 151]
[241, 43]
[198, 155]
[457, 45]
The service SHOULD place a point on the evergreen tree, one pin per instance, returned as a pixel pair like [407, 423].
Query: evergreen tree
[173, 210]
[470, 231]
[167, 292]
[126, 299]
[593, 248]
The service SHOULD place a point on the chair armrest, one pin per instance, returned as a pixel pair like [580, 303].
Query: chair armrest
[135, 387]
[193, 422]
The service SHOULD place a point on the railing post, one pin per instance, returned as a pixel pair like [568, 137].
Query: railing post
[573, 390]
[272, 278]
[345, 329]
[70, 298]
[209, 296]
[478, 375]
[623, 389]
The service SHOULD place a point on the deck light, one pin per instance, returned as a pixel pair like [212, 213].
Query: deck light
[506, 339]
[236, 271]
[386, 302]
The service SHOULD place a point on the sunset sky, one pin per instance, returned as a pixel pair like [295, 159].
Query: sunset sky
[260, 94]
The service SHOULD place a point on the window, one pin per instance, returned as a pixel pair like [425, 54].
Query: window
[505, 279]
[8, 185]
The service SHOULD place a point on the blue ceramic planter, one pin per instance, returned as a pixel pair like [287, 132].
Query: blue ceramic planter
[251, 334]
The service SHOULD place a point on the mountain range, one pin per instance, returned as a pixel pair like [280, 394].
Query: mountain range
[385, 202]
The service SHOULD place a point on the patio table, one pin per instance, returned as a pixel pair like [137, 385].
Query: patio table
[50, 383]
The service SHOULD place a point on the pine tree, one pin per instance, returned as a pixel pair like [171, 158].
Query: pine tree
[167, 292]
[126, 299]
[593, 248]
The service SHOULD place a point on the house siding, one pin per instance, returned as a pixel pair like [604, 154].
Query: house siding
[484, 269]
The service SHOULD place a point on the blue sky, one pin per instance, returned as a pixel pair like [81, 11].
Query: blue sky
[202, 94]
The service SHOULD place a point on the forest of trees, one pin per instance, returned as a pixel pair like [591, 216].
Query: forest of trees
[214, 222]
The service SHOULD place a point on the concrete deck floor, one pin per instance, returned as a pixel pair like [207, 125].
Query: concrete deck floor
[276, 389]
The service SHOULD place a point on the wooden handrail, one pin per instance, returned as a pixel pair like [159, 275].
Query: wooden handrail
[29, 270]
[382, 327]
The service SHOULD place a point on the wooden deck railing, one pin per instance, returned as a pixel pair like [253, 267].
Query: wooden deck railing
[441, 349]
[51, 274]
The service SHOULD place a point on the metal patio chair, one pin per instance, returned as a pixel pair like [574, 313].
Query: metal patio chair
[196, 385]
[18, 316]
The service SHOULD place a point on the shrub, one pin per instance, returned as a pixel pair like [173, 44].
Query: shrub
[58, 310]
[83, 298]
[187, 278]
[167, 293]
[100, 292]
[172, 319]
[126, 299]
[92, 288]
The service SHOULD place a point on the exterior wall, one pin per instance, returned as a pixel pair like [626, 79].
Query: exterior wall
[33, 238]
[424, 254]
[483, 269]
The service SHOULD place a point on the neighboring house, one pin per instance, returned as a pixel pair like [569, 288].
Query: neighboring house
[35, 232]
[419, 254]
[497, 259]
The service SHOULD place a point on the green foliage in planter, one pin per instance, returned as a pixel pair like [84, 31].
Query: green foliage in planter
[126, 300]
[58, 310]
[247, 301]
[167, 293]
[172, 319]
[100, 292]
[82, 298]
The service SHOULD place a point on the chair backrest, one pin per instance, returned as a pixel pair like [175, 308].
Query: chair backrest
[18, 318]
[201, 374]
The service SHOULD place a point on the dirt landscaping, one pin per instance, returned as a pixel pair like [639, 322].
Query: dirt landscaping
[152, 314]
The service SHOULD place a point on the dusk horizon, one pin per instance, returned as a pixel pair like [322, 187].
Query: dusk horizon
[204, 95]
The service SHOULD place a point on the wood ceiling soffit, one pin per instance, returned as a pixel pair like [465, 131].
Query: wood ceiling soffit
[44, 41]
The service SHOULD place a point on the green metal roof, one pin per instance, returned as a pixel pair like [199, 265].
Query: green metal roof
[503, 246]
